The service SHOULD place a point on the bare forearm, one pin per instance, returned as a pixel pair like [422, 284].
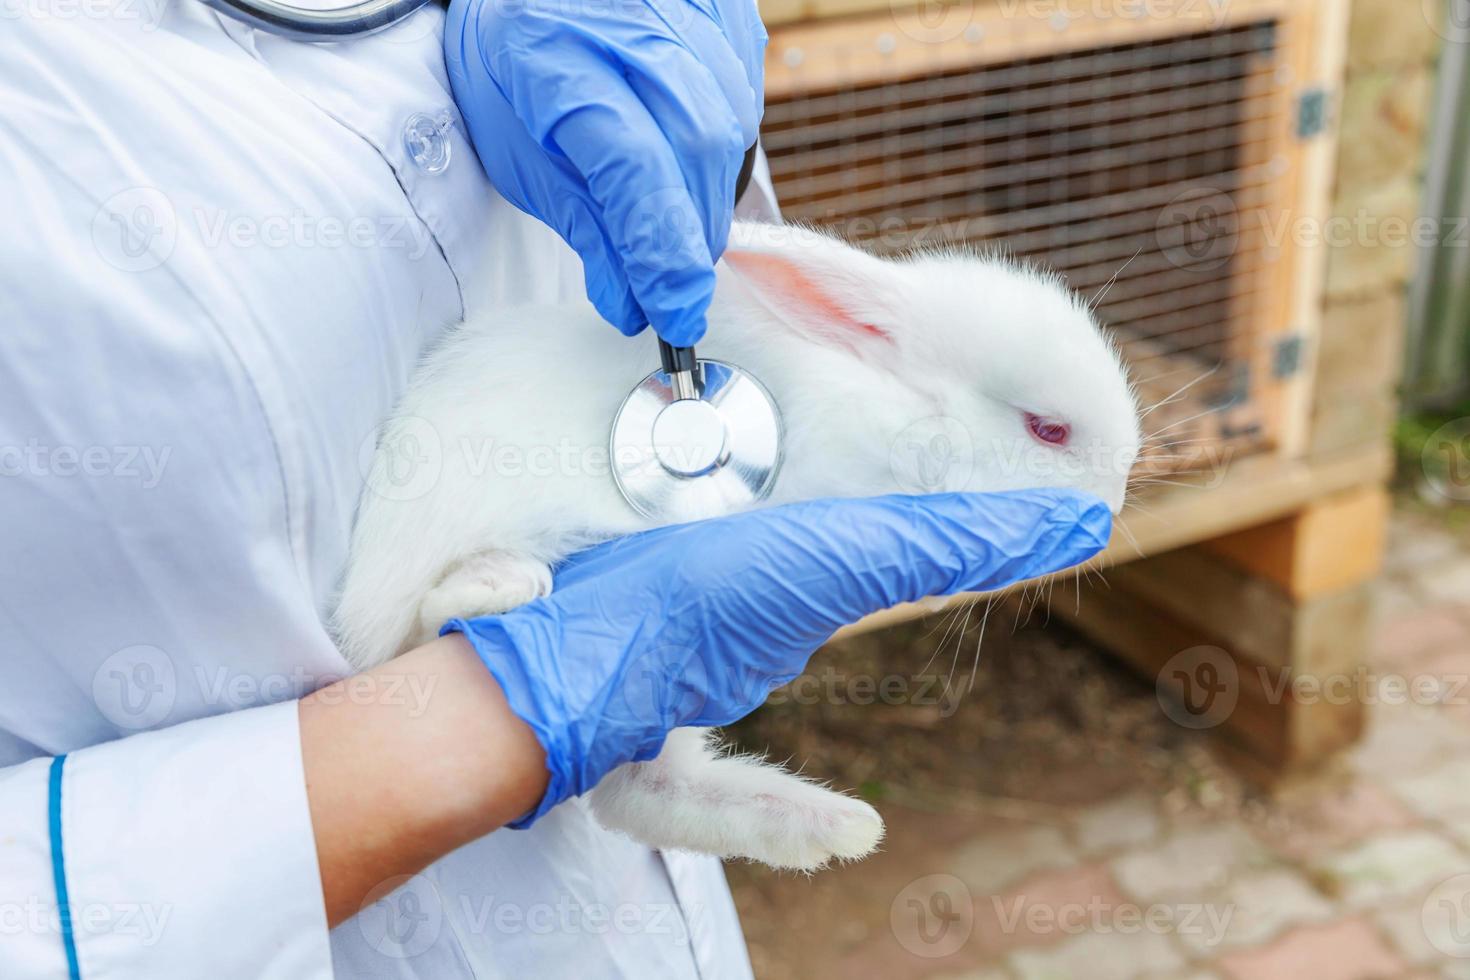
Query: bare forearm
[407, 762]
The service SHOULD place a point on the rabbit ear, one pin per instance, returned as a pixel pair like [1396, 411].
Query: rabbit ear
[832, 292]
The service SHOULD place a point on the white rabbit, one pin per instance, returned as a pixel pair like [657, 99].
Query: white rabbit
[939, 371]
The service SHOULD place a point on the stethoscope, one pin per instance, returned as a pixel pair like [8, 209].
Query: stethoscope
[696, 437]
[306, 24]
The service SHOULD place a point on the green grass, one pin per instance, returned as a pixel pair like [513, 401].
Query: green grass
[1418, 472]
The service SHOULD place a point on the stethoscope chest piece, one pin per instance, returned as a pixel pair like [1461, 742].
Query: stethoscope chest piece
[697, 439]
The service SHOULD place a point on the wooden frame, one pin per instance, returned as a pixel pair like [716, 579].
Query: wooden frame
[1255, 493]
[1276, 587]
[1277, 546]
[824, 44]
[963, 33]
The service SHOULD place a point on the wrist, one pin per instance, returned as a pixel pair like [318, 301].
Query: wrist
[407, 762]
[496, 655]
[482, 752]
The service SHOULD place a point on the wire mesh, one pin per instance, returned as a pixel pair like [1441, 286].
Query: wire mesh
[1143, 172]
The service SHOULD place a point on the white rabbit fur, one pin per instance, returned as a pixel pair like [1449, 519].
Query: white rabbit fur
[856, 350]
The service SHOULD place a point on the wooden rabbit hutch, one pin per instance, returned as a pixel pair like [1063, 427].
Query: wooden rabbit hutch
[1170, 158]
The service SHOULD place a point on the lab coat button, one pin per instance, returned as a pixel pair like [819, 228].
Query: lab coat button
[426, 138]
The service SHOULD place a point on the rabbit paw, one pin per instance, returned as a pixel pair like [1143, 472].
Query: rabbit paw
[817, 832]
[736, 807]
[483, 585]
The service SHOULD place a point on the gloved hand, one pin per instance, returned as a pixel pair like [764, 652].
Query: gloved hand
[621, 125]
[695, 624]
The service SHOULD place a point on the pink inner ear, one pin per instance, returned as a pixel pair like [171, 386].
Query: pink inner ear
[784, 280]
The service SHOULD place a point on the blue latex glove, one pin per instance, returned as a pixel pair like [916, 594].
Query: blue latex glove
[622, 125]
[696, 624]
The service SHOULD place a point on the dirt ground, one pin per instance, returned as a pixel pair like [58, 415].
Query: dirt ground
[1049, 726]
[1056, 784]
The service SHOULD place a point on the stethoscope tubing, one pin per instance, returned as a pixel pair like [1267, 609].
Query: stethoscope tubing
[303, 24]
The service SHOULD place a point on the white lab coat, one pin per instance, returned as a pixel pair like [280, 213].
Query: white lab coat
[219, 263]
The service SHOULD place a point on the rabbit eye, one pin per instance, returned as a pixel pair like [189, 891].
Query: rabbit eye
[1049, 431]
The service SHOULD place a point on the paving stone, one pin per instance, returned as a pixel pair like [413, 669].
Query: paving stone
[1446, 581]
[990, 864]
[1441, 791]
[1415, 542]
[1415, 636]
[1351, 949]
[1446, 677]
[1392, 597]
[1402, 739]
[1189, 862]
[1430, 931]
[1458, 829]
[1444, 915]
[1445, 682]
[1404, 926]
[1121, 822]
[1254, 908]
[1109, 955]
[1044, 909]
[1390, 867]
[1321, 818]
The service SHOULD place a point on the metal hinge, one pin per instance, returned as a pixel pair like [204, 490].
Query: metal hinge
[1286, 359]
[1311, 113]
